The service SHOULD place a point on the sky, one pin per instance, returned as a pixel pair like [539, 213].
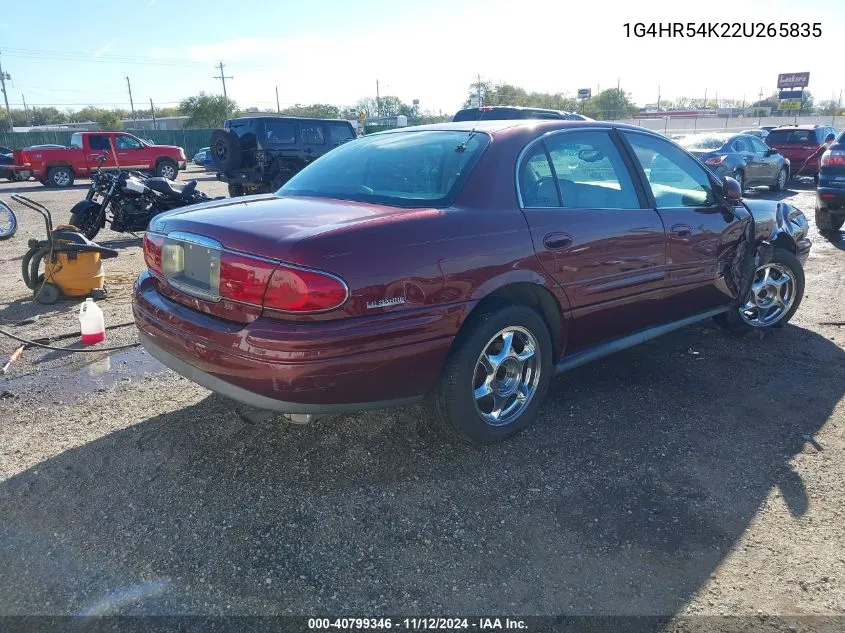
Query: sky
[431, 50]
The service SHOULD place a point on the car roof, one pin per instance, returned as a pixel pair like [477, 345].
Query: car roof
[284, 118]
[800, 127]
[495, 126]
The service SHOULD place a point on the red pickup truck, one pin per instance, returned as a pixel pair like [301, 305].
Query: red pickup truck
[57, 167]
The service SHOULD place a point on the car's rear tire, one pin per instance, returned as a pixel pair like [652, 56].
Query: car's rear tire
[235, 190]
[774, 297]
[226, 150]
[500, 362]
[781, 180]
[282, 172]
[167, 168]
[826, 222]
[60, 177]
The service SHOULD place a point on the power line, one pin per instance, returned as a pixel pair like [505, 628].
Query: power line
[26, 53]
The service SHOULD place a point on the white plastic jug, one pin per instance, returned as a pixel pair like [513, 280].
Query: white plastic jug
[91, 322]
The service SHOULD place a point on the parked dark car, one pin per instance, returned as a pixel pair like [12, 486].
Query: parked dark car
[830, 192]
[502, 113]
[743, 157]
[466, 267]
[7, 159]
[260, 154]
[800, 144]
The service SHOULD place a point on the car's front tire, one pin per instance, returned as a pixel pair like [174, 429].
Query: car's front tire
[775, 295]
[496, 376]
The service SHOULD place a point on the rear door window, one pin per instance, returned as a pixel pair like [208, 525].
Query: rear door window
[742, 145]
[279, 132]
[99, 141]
[312, 134]
[590, 172]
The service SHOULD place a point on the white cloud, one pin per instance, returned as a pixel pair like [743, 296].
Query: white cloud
[103, 49]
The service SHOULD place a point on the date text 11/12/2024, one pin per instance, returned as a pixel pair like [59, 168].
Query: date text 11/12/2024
[723, 29]
[417, 624]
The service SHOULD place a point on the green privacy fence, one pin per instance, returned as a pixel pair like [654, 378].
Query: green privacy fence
[190, 140]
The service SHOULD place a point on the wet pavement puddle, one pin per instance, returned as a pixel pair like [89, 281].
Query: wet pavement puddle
[73, 381]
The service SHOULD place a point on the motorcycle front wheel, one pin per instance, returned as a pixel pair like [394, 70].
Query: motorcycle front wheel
[85, 216]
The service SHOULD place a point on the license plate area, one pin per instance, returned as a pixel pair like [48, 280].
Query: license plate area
[191, 264]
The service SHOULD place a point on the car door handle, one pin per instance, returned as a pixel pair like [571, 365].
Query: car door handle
[557, 241]
[308, 150]
[682, 230]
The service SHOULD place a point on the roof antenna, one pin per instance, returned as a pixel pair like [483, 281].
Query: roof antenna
[481, 111]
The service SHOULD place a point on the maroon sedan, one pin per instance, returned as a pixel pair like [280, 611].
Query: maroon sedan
[463, 265]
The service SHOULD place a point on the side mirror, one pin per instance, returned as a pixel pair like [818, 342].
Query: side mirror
[733, 193]
[771, 152]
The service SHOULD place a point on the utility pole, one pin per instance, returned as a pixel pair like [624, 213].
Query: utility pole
[278, 109]
[704, 104]
[760, 108]
[838, 106]
[3, 77]
[153, 110]
[658, 98]
[131, 103]
[25, 109]
[223, 78]
[480, 102]
[378, 101]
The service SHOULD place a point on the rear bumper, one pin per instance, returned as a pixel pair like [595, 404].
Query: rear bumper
[312, 367]
[831, 199]
[183, 164]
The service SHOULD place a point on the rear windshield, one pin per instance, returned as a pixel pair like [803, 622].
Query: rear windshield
[789, 137]
[703, 142]
[403, 169]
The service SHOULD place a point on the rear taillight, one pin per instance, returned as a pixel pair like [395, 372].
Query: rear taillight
[202, 268]
[715, 161]
[244, 278]
[152, 251]
[833, 158]
[294, 289]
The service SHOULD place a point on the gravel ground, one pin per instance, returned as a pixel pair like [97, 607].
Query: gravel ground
[700, 473]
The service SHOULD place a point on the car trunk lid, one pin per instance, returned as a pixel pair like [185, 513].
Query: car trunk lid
[200, 252]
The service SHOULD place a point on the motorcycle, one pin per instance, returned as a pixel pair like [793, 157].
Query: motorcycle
[128, 200]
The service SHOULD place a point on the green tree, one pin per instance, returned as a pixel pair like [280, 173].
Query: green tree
[206, 111]
[315, 110]
[610, 104]
[828, 107]
[47, 116]
[109, 120]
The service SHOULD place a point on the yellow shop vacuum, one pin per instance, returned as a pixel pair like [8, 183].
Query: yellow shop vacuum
[73, 264]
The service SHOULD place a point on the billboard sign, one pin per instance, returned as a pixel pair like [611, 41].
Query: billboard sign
[789, 104]
[793, 80]
[585, 93]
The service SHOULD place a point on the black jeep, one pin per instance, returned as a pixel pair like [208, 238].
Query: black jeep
[260, 154]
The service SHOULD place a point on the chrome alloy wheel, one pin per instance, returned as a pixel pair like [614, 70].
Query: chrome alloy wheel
[167, 171]
[771, 297]
[506, 376]
[782, 179]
